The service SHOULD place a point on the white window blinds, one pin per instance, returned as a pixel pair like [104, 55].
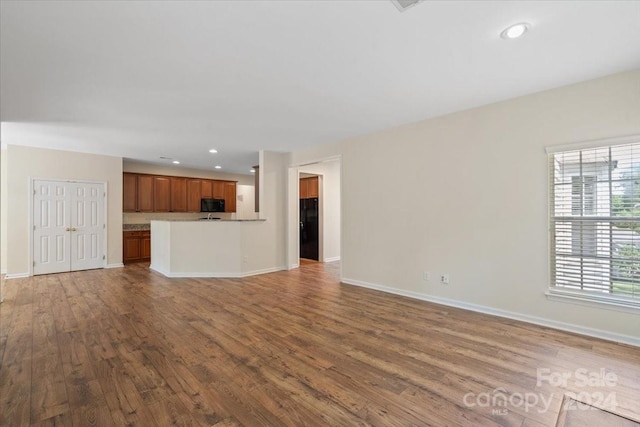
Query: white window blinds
[595, 221]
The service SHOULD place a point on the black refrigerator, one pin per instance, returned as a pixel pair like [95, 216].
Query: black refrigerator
[309, 228]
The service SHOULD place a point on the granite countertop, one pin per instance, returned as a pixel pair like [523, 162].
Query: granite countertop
[136, 227]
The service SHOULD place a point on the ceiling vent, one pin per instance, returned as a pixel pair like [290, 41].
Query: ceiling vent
[403, 5]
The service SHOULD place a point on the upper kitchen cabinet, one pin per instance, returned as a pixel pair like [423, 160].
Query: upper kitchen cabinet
[194, 194]
[145, 193]
[309, 187]
[219, 190]
[129, 192]
[207, 189]
[154, 193]
[178, 194]
[137, 193]
[229, 196]
[161, 194]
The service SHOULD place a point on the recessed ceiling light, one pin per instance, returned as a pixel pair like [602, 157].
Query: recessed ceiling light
[213, 151]
[175, 162]
[218, 167]
[252, 170]
[515, 30]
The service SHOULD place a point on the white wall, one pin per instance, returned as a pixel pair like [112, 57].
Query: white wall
[3, 217]
[245, 203]
[25, 163]
[330, 205]
[3, 210]
[468, 195]
[272, 239]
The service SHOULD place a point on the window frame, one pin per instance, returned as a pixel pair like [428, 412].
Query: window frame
[566, 294]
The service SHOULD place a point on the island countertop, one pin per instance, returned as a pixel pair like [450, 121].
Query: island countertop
[212, 220]
[213, 248]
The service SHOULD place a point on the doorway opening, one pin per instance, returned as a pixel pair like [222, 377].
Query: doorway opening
[315, 212]
[309, 185]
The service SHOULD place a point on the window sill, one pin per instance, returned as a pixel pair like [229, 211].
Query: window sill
[594, 300]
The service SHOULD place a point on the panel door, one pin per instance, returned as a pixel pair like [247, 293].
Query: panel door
[87, 226]
[207, 189]
[145, 193]
[145, 245]
[129, 192]
[178, 194]
[218, 189]
[312, 187]
[230, 197]
[68, 226]
[51, 227]
[131, 246]
[161, 194]
[304, 188]
[194, 194]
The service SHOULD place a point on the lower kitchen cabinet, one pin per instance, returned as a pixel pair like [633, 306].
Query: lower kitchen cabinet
[136, 246]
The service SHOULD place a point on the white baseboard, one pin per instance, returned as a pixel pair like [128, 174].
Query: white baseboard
[204, 275]
[17, 276]
[569, 327]
[116, 265]
[263, 271]
[332, 259]
[3, 271]
[294, 266]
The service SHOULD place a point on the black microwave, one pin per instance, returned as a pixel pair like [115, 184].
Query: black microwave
[211, 205]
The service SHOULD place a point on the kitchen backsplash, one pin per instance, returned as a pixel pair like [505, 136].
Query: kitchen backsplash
[146, 217]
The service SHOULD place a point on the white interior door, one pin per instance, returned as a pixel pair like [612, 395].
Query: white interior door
[51, 230]
[87, 226]
[68, 226]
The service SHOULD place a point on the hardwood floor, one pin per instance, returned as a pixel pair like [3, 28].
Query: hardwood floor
[131, 347]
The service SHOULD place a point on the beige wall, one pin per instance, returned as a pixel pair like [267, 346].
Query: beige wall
[467, 195]
[3, 210]
[25, 163]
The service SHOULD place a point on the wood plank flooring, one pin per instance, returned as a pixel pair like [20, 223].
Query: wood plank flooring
[131, 347]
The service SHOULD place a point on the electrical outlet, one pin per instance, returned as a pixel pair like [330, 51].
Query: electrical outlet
[444, 278]
[425, 276]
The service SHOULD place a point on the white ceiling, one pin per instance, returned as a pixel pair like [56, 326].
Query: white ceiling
[148, 79]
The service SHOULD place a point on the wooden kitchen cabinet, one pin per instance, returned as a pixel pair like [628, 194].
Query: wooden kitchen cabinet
[155, 193]
[137, 193]
[161, 194]
[207, 189]
[129, 192]
[145, 245]
[230, 197]
[136, 246]
[194, 194]
[145, 193]
[309, 187]
[219, 189]
[178, 194]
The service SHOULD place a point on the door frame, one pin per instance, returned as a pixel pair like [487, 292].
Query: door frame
[105, 232]
[293, 211]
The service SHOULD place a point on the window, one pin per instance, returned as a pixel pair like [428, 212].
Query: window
[595, 223]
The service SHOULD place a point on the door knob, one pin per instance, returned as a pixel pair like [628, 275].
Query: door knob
[73, 229]
[68, 229]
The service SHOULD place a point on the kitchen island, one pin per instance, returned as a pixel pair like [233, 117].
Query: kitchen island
[212, 248]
